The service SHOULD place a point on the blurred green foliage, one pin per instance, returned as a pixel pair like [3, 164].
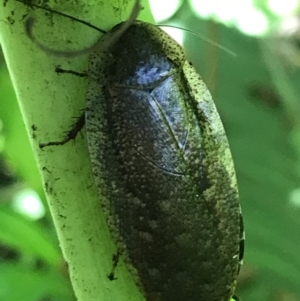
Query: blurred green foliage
[256, 95]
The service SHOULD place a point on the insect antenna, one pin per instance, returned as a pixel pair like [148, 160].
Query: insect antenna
[48, 9]
[99, 45]
[201, 37]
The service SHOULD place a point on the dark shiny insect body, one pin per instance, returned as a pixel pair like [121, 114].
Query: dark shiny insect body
[162, 163]
[163, 168]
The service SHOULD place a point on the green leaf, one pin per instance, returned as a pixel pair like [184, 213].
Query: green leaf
[48, 103]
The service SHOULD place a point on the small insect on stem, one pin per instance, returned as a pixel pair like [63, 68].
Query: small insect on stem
[161, 163]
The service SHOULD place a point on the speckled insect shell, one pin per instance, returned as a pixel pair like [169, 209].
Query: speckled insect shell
[163, 167]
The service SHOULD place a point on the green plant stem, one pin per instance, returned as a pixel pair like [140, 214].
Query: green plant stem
[49, 103]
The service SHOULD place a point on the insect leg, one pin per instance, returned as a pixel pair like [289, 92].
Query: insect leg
[115, 260]
[79, 74]
[71, 134]
[78, 125]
